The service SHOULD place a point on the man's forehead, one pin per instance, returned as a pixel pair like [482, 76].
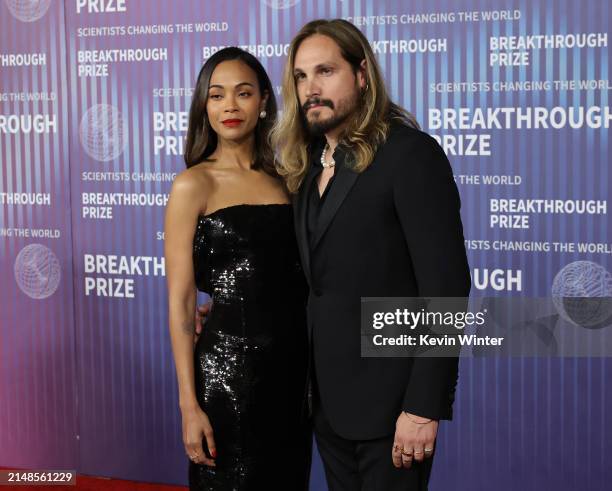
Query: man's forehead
[316, 50]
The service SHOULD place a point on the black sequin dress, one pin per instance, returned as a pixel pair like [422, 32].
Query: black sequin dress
[251, 358]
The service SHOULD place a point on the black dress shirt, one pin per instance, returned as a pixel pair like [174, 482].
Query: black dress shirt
[315, 200]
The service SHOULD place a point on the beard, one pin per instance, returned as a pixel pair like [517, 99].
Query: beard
[344, 109]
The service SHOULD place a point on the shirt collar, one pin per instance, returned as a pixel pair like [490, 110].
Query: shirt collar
[316, 148]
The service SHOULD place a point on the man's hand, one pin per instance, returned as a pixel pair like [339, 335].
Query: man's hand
[200, 319]
[414, 439]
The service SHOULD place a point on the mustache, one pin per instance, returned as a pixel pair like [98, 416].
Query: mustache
[317, 101]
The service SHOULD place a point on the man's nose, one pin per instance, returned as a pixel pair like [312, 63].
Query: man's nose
[312, 88]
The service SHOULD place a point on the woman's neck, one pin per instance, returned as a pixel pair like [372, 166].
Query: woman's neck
[233, 153]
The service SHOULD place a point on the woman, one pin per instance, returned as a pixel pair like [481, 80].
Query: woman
[229, 232]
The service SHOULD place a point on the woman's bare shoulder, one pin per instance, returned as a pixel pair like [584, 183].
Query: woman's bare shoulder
[191, 189]
[196, 180]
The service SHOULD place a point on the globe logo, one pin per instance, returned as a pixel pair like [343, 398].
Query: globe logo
[28, 10]
[37, 271]
[102, 132]
[280, 4]
[582, 293]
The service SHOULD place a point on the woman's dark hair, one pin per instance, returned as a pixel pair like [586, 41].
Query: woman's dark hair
[201, 138]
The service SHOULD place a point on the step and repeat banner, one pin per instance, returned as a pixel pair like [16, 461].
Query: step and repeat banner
[38, 374]
[94, 97]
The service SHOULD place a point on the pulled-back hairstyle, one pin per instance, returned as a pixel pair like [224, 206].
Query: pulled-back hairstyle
[364, 133]
[201, 139]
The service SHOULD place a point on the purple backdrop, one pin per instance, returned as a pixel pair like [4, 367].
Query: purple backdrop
[93, 102]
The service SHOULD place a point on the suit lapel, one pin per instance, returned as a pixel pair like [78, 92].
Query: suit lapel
[301, 228]
[343, 182]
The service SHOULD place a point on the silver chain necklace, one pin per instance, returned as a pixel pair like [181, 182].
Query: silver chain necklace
[323, 155]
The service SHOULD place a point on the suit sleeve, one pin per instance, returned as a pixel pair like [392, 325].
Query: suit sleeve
[427, 203]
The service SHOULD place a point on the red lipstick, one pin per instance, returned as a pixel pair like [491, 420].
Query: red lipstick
[232, 123]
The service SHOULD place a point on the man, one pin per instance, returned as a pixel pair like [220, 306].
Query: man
[377, 215]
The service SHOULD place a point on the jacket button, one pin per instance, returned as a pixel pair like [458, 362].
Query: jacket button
[317, 292]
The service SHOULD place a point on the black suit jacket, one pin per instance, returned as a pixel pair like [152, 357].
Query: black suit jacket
[393, 230]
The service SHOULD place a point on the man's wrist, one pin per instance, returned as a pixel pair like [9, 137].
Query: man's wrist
[417, 419]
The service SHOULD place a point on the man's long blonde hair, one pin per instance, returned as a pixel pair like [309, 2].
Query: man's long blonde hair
[365, 131]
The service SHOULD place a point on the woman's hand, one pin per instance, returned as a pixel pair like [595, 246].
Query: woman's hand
[196, 426]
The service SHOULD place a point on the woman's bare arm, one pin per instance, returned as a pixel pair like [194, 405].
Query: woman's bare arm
[184, 205]
[187, 199]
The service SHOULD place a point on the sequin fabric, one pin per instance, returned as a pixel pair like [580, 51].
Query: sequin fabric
[251, 359]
